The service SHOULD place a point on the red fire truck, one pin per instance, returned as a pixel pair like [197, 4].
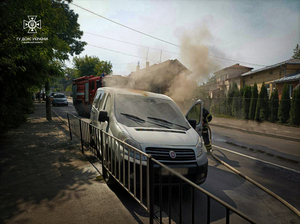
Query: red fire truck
[84, 89]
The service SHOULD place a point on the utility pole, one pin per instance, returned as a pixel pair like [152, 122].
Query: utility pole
[147, 56]
[160, 56]
[48, 104]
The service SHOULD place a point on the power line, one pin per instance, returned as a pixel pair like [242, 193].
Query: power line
[168, 51]
[120, 52]
[125, 26]
[131, 43]
[103, 17]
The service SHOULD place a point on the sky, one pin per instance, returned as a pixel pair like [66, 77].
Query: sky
[213, 34]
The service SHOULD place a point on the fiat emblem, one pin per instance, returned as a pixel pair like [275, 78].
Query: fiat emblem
[172, 154]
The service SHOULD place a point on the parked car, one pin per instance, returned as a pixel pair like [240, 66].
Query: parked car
[154, 124]
[59, 99]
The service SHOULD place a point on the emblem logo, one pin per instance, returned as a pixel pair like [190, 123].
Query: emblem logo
[172, 154]
[32, 24]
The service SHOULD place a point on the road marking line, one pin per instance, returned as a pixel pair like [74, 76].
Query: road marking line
[250, 157]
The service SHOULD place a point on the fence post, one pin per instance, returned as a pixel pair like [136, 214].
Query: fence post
[69, 126]
[151, 189]
[81, 136]
[101, 148]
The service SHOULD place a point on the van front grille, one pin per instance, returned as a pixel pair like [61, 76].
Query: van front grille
[163, 154]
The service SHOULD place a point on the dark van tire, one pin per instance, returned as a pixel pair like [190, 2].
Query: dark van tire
[108, 178]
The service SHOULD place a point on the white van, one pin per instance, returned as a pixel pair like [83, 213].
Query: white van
[154, 124]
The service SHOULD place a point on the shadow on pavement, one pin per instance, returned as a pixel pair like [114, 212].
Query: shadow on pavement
[39, 165]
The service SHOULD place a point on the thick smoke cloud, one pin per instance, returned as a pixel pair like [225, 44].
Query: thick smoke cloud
[178, 83]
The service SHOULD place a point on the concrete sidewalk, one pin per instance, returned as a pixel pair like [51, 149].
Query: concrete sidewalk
[259, 128]
[44, 178]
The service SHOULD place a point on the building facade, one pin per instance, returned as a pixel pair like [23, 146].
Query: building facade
[271, 73]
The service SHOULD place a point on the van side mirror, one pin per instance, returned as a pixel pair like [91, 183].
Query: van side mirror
[193, 123]
[103, 116]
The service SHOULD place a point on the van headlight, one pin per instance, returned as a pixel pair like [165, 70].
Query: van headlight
[199, 147]
[134, 144]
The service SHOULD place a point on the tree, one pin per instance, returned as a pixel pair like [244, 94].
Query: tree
[295, 108]
[91, 65]
[262, 108]
[253, 102]
[274, 104]
[236, 105]
[296, 52]
[232, 92]
[212, 79]
[25, 66]
[103, 67]
[86, 65]
[246, 101]
[285, 105]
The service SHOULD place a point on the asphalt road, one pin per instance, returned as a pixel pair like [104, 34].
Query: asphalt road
[280, 176]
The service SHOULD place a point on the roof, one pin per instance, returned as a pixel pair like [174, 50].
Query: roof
[289, 78]
[236, 66]
[163, 65]
[290, 61]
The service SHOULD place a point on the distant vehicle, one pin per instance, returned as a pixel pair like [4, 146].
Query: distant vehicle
[59, 99]
[51, 96]
[154, 124]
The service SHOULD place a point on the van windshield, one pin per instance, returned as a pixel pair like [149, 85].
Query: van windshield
[143, 111]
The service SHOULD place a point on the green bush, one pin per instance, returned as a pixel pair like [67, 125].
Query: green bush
[274, 104]
[253, 102]
[246, 101]
[295, 108]
[285, 105]
[262, 108]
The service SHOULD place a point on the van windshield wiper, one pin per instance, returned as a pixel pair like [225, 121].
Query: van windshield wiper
[159, 119]
[136, 118]
[168, 122]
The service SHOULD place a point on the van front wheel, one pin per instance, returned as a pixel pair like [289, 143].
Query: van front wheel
[108, 178]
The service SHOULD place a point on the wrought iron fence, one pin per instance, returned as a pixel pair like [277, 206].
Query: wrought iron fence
[145, 177]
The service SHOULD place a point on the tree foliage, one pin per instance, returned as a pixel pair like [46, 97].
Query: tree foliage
[274, 104]
[230, 104]
[253, 102]
[103, 67]
[27, 65]
[285, 105]
[296, 52]
[91, 65]
[262, 107]
[295, 108]
[246, 101]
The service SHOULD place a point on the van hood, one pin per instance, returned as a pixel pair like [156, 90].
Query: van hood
[160, 136]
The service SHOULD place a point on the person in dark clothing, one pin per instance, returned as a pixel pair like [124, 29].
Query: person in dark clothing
[206, 117]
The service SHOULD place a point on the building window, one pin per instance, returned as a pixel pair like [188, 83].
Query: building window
[290, 90]
[271, 72]
[251, 77]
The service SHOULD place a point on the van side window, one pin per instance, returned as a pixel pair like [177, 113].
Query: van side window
[101, 101]
[107, 105]
[97, 97]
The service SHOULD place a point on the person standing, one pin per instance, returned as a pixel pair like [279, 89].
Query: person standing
[206, 118]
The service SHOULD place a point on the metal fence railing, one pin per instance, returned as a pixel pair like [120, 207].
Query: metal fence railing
[139, 174]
